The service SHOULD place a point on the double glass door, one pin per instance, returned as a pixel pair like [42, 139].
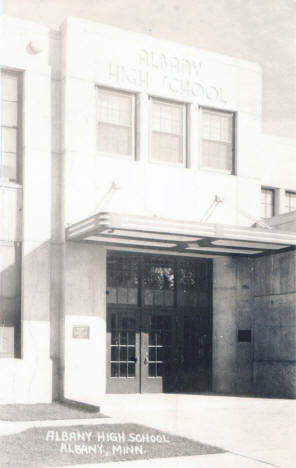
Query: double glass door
[140, 348]
[153, 344]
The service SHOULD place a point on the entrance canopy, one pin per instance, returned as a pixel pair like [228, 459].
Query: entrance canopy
[178, 236]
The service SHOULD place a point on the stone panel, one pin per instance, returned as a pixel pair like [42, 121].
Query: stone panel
[224, 325]
[276, 379]
[274, 327]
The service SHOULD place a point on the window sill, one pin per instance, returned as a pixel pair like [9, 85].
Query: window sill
[217, 171]
[168, 164]
[6, 183]
[116, 156]
[10, 358]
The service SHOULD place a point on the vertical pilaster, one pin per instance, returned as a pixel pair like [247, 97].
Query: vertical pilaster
[279, 201]
[192, 137]
[142, 127]
[224, 325]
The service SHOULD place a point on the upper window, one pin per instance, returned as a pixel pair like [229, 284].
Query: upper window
[168, 132]
[115, 122]
[10, 118]
[218, 140]
[267, 203]
[290, 201]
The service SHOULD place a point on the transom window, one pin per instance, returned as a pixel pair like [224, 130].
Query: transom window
[10, 118]
[217, 140]
[159, 282]
[267, 202]
[122, 279]
[152, 281]
[168, 130]
[290, 201]
[115, 122]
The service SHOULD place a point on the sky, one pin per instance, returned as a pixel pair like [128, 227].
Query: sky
[263, 31]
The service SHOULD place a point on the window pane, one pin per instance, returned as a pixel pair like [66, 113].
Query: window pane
[9, 87]
[159, 370]
[152, 370]
[131, 353]
[167, 148]
[131, 370]
[114, 370]
[217, 155]
[114, 139]
[159, 279]
[114, 353]
[115, 122]
[123, 353]
[168, 132]
[217, 144]
[131, 338]
[114, 108]
[167, 118]
[122, 279]
[9, 140]
[9, 123]
[114, 338]
[123, 338]
[152, 354]
[122, 295]
[290, 198]
[8, 166]
[132, 295]
[267, 203]
[123, 370]
[9, 117]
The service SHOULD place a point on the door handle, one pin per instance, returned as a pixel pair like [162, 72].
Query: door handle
[146, 360]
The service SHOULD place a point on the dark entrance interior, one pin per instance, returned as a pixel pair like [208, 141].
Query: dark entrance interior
[159, 323]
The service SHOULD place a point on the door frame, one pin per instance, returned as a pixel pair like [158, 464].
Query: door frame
[179, 312]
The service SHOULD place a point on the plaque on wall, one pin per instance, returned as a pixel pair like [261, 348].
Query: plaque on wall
[7, 342]
[244, 336]
[80, 332]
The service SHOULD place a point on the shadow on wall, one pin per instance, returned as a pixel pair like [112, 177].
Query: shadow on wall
[30, 304]
[274, 320]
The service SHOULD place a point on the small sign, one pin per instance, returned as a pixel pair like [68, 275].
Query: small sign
[244, 336]
[80, 332]
[7, 342]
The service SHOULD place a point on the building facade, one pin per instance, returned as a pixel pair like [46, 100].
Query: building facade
[147, 224]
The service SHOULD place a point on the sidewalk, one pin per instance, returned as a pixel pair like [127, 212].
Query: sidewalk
[256, 433]
[225, 460]
[260, 429]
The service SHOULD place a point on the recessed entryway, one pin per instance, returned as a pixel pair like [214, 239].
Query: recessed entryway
[159, 323]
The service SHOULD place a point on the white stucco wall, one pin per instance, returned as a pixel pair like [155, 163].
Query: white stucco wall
[65, 180]
[85, 306]
[101, 55]
[28, 379]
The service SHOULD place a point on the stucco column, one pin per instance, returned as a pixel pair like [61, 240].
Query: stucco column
[279, 201]
[193, 137]
[142, 127]
[224, 325]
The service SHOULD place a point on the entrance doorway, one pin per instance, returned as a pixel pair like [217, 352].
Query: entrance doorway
[159, 323]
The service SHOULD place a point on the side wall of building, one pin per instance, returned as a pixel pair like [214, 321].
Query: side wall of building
[85, 312]
[232, 311]
[28, 378]
[274, 319]
[257, 295]
[132, 64]
[65, 180]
